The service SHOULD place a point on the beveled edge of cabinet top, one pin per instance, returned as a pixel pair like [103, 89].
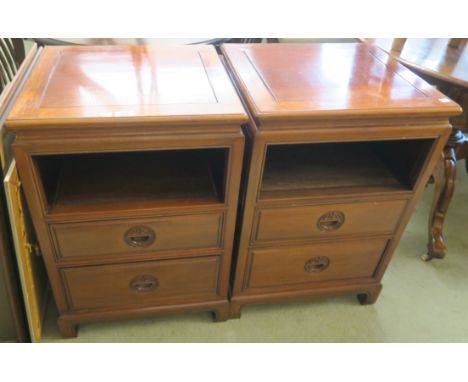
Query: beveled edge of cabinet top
[314, 81]
[112, 86]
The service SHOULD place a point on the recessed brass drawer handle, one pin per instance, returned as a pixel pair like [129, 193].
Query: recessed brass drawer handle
[330, 221]
[316, 264]
[140, 236]
[144, 283]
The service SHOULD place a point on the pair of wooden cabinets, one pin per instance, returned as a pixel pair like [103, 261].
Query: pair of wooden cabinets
[152, 189]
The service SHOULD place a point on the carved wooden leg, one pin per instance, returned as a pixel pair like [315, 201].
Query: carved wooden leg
[444, 176]
[66, 328]
[444, 179]
[370, 296]
[221, 314]
[235, 310]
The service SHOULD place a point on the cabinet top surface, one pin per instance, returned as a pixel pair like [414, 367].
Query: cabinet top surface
[318, 80]
[76, 85]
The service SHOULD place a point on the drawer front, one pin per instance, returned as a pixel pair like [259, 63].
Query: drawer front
[152, 282]
[110, 238]
[306, 222]
[312, 263]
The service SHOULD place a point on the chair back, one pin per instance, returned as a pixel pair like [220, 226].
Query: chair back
[11, 56]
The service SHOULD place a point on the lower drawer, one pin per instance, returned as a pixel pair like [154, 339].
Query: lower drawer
[311, 263]
[142, 283]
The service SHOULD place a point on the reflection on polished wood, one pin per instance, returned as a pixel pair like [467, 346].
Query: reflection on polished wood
[113, 84]
[439, 58]
[307, 80]
[442, 62]
[341, 135]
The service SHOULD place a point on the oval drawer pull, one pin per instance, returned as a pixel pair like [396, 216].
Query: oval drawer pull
[316, 264]
[330, 221]
[144, 283]
[139, 236]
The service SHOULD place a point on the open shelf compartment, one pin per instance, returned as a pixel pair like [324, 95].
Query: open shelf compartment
[95, 182]
[314, 169]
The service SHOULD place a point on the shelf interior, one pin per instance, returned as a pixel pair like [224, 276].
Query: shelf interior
[132, 180]
[302, 170]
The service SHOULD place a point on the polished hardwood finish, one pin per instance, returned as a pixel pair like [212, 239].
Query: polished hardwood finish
[443, 63]
[114, 85]
[325, 86]
[343, 139]
[131, 159]
[442, 58]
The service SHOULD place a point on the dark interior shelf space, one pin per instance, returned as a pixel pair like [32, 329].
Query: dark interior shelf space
[302, 170]
[132, 180]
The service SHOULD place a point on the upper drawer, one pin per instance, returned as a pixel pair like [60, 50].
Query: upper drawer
[110, 238]
[305, 222]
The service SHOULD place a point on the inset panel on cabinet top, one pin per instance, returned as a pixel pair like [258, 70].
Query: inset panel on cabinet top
[305, 80]
[164, 84]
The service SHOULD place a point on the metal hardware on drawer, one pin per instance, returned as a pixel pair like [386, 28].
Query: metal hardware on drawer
[316, 264]
[140, 236]
[144, 283]
[330, 221]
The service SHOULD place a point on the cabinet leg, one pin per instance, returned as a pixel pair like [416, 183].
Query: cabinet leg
[221, 314]
[370, 296]
[444, 180]
[235, 310]
[67, 329]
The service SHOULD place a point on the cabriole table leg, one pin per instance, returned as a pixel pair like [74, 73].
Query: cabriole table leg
[444, 179]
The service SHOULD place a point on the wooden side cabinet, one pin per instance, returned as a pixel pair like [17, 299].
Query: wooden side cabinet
[343, 140]
[131, 158]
